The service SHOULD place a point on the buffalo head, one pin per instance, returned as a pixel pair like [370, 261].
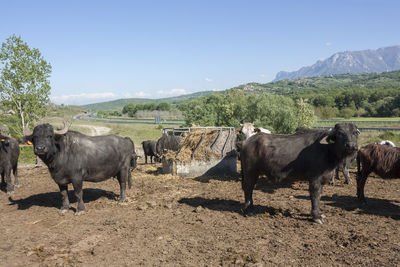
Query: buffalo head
[44, 138]
[343, 137]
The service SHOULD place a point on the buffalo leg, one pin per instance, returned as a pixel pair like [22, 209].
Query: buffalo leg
[2, 177]
[15, 173]
[151, 159]
[122, 177]
[315, 188]
[337, 177]
[145, 159]
[361, 180]
[64, 197]
[79, 196]
[347, 176]
[248, 183]
[10, 186]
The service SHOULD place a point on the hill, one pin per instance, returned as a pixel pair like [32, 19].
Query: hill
[380, 60]
[299, 86]
[330, 83]
[120, 103]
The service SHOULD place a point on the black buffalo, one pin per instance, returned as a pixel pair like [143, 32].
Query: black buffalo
[149, 149]
[73, 157]
[9, 153]
[309, 155]
[167, 142]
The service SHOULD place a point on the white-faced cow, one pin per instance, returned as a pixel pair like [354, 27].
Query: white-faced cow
[73, 157]
[383, 160]
[247, 129]
[9, 153]
[309, 155]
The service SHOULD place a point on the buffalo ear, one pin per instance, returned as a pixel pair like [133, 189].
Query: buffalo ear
[4, 141]
[330, 138]
[26, 139]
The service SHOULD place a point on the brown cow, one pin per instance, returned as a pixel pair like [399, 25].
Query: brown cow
[382, 160]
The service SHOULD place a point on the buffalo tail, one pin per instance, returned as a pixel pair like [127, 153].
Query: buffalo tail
[358, 165]
[129, 179]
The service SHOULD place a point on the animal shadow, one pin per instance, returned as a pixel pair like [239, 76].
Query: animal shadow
[374, 206]
[218, 204]
[53, 199]
[206, 178]
[269, 186]
[155, 172]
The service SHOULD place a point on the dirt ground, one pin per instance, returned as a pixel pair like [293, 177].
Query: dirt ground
[172, 221]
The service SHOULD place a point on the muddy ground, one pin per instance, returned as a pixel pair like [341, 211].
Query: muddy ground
[171, 221]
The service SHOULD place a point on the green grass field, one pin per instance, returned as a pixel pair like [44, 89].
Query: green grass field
[366, 122]
[368, 119]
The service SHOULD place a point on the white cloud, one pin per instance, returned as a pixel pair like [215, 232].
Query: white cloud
[208, 80]
[262, 75]
[88, 98]
[328, 43]
[172, 92]
[83, 98]
[141, 94]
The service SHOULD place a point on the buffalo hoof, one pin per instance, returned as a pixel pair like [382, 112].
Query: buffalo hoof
[17, 185]
[79, 213]
[62, 212]
[122, 201]
[248, 212]
[10, 192]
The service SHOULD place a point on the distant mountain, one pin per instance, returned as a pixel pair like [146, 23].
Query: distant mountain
[120, 103]
[380, 60]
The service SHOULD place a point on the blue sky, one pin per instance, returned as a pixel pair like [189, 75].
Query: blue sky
[103, 50]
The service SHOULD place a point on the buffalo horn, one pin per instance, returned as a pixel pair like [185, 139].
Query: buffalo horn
[63, 130]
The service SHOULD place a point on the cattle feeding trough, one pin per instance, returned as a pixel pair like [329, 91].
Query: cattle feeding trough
[204, 151]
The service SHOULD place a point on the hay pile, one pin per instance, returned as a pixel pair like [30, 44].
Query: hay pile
[201, 144]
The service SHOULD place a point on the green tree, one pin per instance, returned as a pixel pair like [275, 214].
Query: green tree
[305, 114]
[149, 106]
[164, 106]
[129, 108]
[24, 81]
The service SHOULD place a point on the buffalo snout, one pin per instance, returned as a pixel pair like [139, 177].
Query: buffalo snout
[351, 147]
[40, 150]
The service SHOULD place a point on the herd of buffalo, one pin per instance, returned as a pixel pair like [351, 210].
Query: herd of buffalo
[312, 155]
